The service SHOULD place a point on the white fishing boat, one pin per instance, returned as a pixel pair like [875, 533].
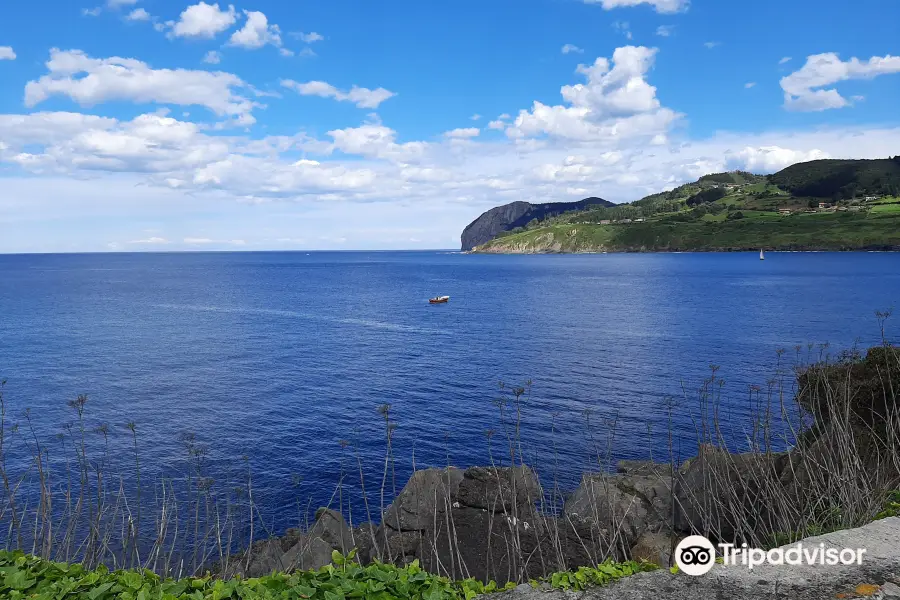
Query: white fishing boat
[439, 300]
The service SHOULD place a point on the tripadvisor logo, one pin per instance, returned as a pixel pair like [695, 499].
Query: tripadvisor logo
[695, 555]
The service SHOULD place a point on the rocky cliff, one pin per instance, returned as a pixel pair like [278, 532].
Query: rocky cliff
[517, 214]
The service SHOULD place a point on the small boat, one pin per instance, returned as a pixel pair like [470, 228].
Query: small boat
[439, 300]
[762, 255]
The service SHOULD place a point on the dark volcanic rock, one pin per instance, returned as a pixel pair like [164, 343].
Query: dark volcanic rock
[517, 214]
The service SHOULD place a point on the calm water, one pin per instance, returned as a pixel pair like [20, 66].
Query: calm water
[279, 356]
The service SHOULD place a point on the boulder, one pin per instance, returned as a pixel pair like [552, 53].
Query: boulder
[655, 548]
[628, 505]
[427, 493]
[644, 467]
[308, 553]
[333, 530]
[512, 490]
[721, 495]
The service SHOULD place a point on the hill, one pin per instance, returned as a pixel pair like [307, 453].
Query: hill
[818, 205]
[517, 215]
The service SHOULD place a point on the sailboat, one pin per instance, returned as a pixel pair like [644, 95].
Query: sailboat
[762, 255]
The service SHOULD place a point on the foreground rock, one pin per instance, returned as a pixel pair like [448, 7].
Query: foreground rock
[295, 550]
[878, 576]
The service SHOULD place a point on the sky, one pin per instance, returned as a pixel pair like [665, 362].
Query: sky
[162, 125]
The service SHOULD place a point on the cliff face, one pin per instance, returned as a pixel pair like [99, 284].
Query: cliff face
[489, 224]
[517, 214]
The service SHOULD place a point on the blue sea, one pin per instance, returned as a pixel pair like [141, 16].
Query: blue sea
[277, 362]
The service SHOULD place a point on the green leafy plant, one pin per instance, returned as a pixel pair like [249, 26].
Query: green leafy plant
[23, 576]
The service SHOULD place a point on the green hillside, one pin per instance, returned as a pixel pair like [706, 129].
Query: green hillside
[819, 205]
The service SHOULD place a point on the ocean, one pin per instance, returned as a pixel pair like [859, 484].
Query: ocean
[276, 363]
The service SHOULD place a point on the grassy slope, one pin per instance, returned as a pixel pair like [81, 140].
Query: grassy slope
[820, 231]
[674, 224]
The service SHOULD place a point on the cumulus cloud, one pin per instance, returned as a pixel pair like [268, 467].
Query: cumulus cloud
[768, 159]
[120, 3]
[609, 136]
[749, 84]
[665, 30]
[463, 133]
[213, 57]
[362, 97]
[138, 14]
[90, 81]
[615, 103]
[711, 45]
[256, 32]
[7, 53]
[308, 38]
[203, 20]
[784, 60]
[570, 48]
[375, 140]
[662, 6]
[803, 89]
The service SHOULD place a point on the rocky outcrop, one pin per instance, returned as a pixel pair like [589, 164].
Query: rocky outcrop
[490, 223]
[517, 214]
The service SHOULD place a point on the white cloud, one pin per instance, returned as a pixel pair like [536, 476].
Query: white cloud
[90, 81]
[665, 30]
[374, 140]
[7, 53]
[475, 117]
[362, 97]
[213, 57]
[120, 3]
[308, 38]
[662, 6]
[711, 45]
[91, 12]
[570, 48]
[769, 159]
[615, 104]
[150, 241]
[203, 20]
[750, 84]
[138, 14]
[463, 133]
[497, 124]
[803, 88]
[784, 60]
[256, 32]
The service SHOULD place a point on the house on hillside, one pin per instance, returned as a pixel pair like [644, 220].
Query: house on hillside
[785, 211]
[871, 198]
[605, 222]
[824, 205]
[625, 221]
[641, 220]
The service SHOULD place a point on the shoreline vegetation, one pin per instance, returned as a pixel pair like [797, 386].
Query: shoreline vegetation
[819, 452]
[824, 205]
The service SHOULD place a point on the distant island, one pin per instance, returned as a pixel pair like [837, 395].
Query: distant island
[817, 205]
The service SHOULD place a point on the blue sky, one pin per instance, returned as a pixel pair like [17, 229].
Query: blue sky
[136, 125]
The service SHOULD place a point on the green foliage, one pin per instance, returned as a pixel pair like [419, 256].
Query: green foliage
[891, 506]
[706, 196]
[23, 576]
[842, 178]
[602, 574]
